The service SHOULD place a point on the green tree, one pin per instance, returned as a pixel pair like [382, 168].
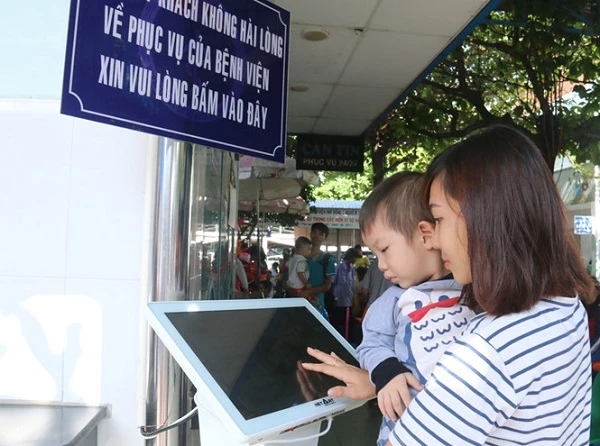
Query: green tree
[516, 68]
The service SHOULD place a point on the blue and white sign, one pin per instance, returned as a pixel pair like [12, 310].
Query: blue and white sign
[583, 224]
[204, 71]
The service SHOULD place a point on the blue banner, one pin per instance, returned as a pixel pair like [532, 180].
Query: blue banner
[208, 72]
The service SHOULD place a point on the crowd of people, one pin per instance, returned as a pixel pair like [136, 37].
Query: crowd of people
[341, 292]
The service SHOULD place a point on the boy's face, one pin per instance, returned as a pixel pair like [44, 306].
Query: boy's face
[305, 250]
[400, 260]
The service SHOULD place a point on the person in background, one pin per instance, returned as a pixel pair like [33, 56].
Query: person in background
[241, 280]
[374, 284]
[259, 258]
[358, 301]
[321, 267]
[282, 277]
[343, 284]
[265, 289]
[298, 279]
[273, 276]
[363, 261]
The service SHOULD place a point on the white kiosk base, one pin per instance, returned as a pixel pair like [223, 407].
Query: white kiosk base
[213, 433]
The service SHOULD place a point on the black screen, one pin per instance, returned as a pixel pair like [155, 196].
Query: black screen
[254, 355]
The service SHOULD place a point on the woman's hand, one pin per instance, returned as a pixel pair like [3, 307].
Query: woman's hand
[358, 385]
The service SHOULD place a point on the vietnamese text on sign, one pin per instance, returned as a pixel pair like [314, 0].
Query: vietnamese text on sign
[201, 71]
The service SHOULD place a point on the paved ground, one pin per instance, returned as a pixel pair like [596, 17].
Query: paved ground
[358, 427]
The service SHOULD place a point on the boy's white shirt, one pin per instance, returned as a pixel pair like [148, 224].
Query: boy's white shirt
[298, 263]
[389, 331]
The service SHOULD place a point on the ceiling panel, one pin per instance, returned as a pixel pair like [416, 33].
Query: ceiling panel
[358, 102]
[343, 13]
[345, 127]
[374, 51]
[425, 17]
[321, 62]
[311, 102]
[391, 59]
[300, 124]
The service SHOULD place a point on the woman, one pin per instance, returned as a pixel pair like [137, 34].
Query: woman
[521, 371]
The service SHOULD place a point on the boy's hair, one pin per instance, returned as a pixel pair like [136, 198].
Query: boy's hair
[397, 200]
[321, 227]
[301, 242]
[520, 246]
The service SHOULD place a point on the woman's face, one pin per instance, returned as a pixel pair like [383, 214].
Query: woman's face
[450, 235]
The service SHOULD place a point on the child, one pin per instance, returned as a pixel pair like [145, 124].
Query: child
[298, 268]
[412, 324]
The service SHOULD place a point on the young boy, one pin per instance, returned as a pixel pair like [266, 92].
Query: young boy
[412, 324]
[298, 268]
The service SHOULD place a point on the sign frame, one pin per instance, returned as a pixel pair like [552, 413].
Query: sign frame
[247, 106]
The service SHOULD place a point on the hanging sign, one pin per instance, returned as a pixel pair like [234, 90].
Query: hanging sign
[204, 71]
[328, 152]
[333, 218]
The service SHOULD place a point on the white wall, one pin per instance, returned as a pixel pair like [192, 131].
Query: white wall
[72, 197]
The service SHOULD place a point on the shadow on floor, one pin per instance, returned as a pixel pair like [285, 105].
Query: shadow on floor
[358, 427]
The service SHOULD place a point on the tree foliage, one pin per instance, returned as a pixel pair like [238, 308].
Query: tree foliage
[533, 65]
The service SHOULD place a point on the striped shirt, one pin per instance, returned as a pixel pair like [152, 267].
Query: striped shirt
[520, 379]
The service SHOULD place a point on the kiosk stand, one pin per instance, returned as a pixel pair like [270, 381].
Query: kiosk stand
[244, 357]
[214, 433]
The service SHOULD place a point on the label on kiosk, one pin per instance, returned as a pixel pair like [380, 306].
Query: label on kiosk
[244, 357]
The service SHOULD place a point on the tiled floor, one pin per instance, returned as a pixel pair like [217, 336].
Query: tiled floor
[358, 427]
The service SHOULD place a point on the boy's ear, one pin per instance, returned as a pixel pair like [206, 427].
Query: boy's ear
[425, 231]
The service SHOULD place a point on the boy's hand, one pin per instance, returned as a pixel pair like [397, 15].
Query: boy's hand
[395, 397]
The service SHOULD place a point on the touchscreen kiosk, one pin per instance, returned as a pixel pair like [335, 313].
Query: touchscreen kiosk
[244, 356]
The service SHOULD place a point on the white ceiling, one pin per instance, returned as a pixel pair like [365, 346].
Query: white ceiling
[376, 49]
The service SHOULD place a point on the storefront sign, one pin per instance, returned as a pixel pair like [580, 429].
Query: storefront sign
[583, 224]
[334, 218]
[205, 71]
[323, 152]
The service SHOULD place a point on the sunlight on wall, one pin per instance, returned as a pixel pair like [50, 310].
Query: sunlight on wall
[23, 376]
[52, 349]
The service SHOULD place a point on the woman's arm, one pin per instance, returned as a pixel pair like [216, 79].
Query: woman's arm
[358, 385]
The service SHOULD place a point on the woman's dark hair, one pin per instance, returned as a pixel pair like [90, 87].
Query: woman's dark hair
[519, 243]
